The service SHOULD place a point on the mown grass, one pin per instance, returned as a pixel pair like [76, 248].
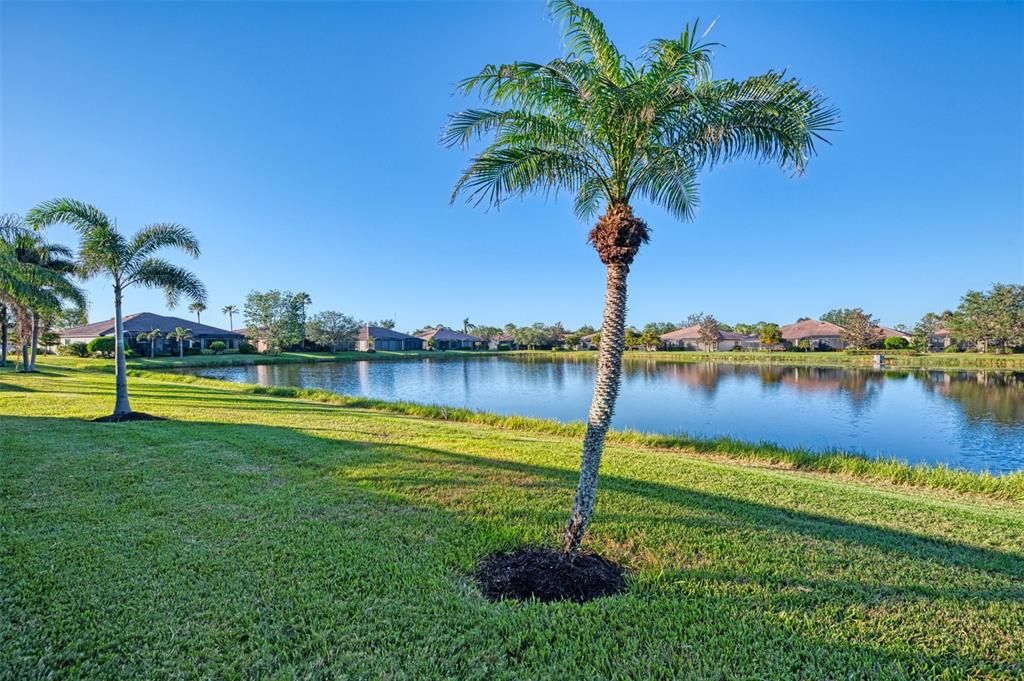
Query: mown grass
[256, 535]
[1008, 486]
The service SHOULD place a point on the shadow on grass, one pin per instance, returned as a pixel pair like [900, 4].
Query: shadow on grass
[377, 493]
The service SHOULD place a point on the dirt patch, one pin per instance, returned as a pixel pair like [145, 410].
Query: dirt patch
[130, 416]
[547, 575]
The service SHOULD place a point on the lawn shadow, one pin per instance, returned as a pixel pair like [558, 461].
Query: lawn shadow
[330, 478]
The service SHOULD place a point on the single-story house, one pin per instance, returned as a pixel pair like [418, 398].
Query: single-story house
[588, 342]
[447, 339]
[817, 334]
[887, 332]
[503, 341]
[688, 338]
[379, 338]
[145, 323]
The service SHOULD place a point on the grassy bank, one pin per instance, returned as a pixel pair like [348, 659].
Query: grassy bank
[934, 360]
[257, 535]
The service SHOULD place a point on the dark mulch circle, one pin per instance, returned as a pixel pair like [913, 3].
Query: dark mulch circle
[547, 575]
[130, 416]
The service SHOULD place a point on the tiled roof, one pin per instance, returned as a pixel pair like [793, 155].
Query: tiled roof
[380, 333]
[810, 328]
[443, 334]
[143, 322]
[693, 333]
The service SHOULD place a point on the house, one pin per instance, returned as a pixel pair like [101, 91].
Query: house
[589, 342]
[448, 339]
[816, 334]
[503, 341]
[887, 332]
[144, 323]
[688, 338]
[379, 338]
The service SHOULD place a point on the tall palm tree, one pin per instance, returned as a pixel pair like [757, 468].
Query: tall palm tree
[180, 335]
[230, 311]
[466, 326]
[198, 308]
[613, 131]
[128, 262]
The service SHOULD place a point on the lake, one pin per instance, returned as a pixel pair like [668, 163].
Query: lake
[972, 420]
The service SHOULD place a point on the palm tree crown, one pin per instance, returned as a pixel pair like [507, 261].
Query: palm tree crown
[610, 130]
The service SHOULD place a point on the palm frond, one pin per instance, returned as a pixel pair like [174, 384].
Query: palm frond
[175, 281]
[82, 216]
[152, 238]
[586, 38]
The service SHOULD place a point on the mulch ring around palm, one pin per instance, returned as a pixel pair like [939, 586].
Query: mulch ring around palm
[130, 416]
[547, 575]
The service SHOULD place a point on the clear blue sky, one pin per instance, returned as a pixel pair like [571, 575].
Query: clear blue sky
[300, 141]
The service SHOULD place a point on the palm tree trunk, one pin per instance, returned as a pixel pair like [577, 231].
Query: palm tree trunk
[181, 348]
[35, 341]
[4, 340]
[121, 406]
[602, 406]
[24, 355]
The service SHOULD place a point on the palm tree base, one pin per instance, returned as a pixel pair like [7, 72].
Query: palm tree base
[548, 575]
[130, 416]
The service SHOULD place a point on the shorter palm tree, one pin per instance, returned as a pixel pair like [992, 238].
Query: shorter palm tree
[230, 311]
[180, 335]
[151, 337]
[198, 308]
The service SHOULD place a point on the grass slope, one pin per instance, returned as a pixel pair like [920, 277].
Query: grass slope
[254, 535]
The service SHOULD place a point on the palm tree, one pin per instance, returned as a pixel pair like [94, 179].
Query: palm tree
[128, 262]
[180, 335]
[302, 299]
[35, 284]
[151, 336]
[612, 131]
[230, 311]
[466, 326]
[198, 308]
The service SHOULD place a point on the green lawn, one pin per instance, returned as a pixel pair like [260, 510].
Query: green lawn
[253, 535]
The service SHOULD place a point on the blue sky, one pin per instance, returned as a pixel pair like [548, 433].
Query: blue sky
[300, 141]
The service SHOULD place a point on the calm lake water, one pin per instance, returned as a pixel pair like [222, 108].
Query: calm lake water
[972, 420]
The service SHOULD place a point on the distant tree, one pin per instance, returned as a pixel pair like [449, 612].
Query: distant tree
[586, 330]
[180, 335]
[466, 326]
[659, 328]
[128, 262]
[990, 318]
[769, 335]
[198, 309]
[860, 330]
[650, 340]
[330, 329]
[383, 323]
[573, 340]
[632, 339]
[151, 337]
[487, 332]
[802, 319]
[708, 332]
[71, 316]
[895, 343]
[274, 317]
[837, 316]
[302, 300]
[923, 330]
[230, 311]
[694, 319]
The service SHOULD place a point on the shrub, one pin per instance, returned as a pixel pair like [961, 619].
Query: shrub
[895, 343]
[73, 350]
[952, 348]
[104, 345]
[246, 348]
[129, 353]
[191, 351]
[218, 347]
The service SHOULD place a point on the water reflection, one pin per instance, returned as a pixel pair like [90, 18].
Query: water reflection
[969, 419]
